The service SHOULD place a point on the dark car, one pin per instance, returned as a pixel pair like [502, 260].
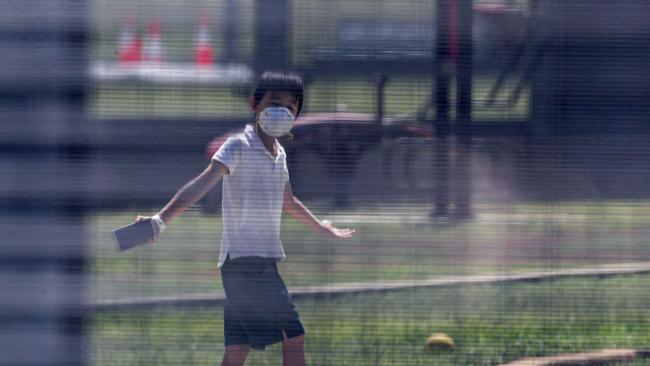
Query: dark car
[338, 141]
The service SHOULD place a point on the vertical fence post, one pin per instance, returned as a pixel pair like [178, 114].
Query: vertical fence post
[229, 17]
[462, 163]
[42, 257]
[379, 80]
[442, 70]
[272, 35]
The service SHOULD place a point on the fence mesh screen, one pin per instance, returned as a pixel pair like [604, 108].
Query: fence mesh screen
[490, 156]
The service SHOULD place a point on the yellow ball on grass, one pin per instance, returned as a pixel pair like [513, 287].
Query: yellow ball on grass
[439, 342]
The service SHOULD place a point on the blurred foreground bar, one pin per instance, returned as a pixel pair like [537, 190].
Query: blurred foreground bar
[42, 81]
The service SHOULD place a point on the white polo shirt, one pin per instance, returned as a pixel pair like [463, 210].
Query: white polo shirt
[252, 198]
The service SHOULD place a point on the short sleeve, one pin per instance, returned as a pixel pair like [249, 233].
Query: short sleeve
[285, 168]
[286, 171]
[229, 153]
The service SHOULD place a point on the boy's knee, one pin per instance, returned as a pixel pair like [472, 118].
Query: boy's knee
[293, 351]
[295, 341]
[235, 354]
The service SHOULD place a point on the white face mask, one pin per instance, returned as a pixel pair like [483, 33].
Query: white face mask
[276, 121]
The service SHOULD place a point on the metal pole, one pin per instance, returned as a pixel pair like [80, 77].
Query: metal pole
[379, 80]
[272, 35]
[229, 17]
[442, 70]
[462, 163]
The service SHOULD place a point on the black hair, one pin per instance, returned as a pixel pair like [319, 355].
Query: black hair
[279, 81]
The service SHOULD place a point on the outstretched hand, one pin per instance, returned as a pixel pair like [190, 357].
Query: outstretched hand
[336, 233]
[156, 228]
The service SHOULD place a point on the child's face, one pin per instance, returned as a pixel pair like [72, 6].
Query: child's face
[276, 99]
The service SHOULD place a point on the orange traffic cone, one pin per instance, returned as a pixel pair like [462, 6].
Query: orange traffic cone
[153, 46]
[129, 47]
[203, 56]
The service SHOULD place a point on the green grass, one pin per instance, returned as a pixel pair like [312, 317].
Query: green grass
[403, 96]
[120, 101]
[490, 325]
[387, 246]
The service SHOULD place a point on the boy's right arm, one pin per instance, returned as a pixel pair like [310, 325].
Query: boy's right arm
[191, 192]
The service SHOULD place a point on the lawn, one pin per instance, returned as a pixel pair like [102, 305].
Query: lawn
[490, 324]
[403, 96]
[392, 243]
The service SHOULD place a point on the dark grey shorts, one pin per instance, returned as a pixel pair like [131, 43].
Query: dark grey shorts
[259, 310]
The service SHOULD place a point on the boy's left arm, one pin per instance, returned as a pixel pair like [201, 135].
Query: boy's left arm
[295, 208]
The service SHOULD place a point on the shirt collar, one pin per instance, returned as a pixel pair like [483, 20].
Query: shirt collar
[256, 142]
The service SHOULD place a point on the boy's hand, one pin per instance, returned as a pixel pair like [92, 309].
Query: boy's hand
[335, 233]
[157, 223]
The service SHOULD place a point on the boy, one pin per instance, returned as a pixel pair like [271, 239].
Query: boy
[256, 190]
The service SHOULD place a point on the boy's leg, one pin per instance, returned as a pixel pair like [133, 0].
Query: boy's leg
[235, 355]
[293, 351]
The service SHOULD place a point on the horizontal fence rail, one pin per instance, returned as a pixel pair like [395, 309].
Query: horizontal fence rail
[328, 291]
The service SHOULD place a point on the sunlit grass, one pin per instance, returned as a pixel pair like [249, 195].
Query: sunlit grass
[490, 324]
[403, 96]
[387, 247]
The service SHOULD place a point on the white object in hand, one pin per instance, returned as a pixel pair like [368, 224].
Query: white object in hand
[158, 223]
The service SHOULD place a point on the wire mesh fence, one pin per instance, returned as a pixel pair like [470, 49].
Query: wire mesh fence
[491, 157]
